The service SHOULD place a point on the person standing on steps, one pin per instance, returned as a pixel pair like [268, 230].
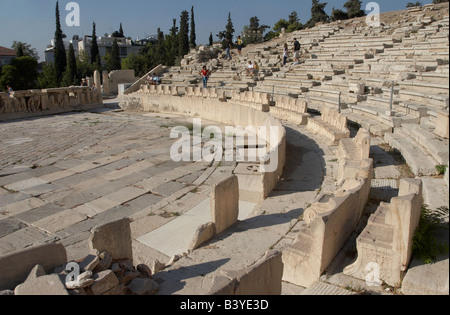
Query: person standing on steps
[205, 75]
[296, 52]
[285, 54]
[239, 43]
[228, 49]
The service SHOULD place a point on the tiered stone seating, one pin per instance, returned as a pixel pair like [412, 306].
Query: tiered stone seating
[290, 109]
[331, 125]
[256, 100]
[385, 245]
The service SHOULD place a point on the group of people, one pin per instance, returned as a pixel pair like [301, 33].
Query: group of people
[153, 79]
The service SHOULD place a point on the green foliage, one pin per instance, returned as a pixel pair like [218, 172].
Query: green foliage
[211, 39]
[441, 169]
[425, 245]
[412, 5]
[95, 53]
[337, 15]
[136, 62]
[60, 50]
[183, 35]
[354, 9]
[253, 33]
[228, 33]
[71, 75]
[192, 36]
[47, 79]
[21, 74]
[24, 49]
[318, 14]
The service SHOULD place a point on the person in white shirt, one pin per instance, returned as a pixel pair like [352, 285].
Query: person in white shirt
[250, 68]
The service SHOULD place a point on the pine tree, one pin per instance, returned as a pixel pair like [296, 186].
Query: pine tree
[183, 36]
[95, 53]
[318, 14]
[228, 33]
[70, 76]
[60, 51]
[354, 9]
[193, 36]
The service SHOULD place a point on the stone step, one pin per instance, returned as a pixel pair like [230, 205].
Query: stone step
[373, 126]
[437, 147]
[420, 163]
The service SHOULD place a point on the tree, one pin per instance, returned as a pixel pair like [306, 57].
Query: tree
[412, 5]
[337, 15]
[135, 62]
[171, 44]
[160, 49]
[118, 33]
[95, 53]
[318, 14]
[354, 9]
[60, 50]
[193, 36]
[183, 35]
[228, 33]
[112, 59]
[21, 74]
[254, 32]
[25, 49]
[47, 79]
[211, 39]
[71, 74]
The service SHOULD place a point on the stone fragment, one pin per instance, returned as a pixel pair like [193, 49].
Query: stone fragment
[114, 238]
[45, 285]
[203, 234]
[157, 266]
[105, 262]
[89, 262]
[103, 282]
[144, 270]
[130, 276]
[142, 286]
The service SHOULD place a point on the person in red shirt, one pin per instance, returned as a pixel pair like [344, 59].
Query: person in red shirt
[205, 75]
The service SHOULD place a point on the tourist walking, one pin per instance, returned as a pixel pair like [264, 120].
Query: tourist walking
[239, 44]
[228, 50]
[205, 76]
[9, 90]
[296, 52]
[285, 54]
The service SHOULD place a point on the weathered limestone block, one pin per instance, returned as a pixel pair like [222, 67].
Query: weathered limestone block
[114, 238]
[328, 225]
[263, 278]
[15, 267]
[105, 77]
[442, 124]
[203, 234]
[386, 242]
[225, 203]
[44, 285]
[331, 125]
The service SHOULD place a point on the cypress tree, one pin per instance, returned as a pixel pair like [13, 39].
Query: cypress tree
[121, 31]
[211, 39]
[183, 36]
[70, 76]
[115, 56]
[95, 53]
[171, 45]
[60, 51]
[193, 36]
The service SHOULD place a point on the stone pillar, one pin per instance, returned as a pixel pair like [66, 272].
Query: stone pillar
[105, 82]
[97, 81]
[442, 123]
[225, 203]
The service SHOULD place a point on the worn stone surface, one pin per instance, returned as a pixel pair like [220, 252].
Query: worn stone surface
[225, 203]
[45, 285]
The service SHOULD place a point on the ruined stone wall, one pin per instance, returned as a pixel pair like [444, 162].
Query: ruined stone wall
[22, 104]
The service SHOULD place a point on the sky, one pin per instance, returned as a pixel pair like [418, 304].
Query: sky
[33, 21]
